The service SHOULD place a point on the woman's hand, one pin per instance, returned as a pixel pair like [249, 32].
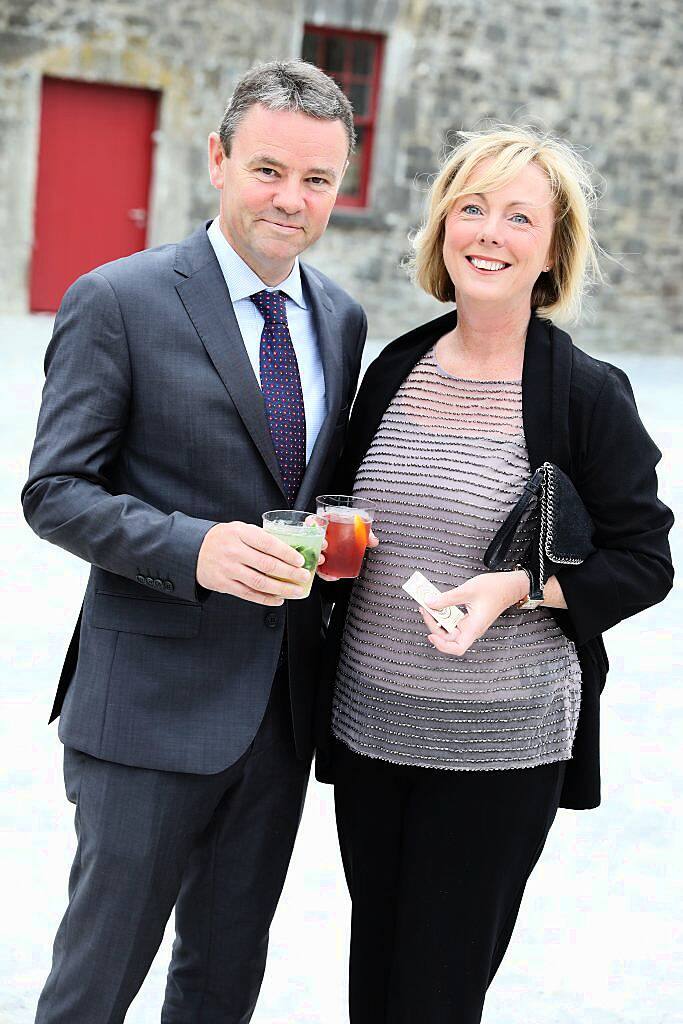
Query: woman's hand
[372, 543]
[485, 598]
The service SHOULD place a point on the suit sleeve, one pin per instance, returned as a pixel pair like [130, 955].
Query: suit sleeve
[68, 497]
[631, 569]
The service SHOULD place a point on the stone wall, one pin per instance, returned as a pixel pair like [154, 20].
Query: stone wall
[604, 75]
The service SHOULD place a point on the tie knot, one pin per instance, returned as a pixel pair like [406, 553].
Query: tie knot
[271, 305]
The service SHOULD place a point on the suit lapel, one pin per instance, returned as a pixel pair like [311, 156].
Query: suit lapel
[330, 344]
[206, 299]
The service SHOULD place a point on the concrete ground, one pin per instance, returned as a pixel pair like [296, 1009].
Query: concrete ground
[599, 935]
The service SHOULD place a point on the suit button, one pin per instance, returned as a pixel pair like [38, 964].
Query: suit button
[272, 619]
[139, 578]
[168, 586]
[159, 584]
[149, 580]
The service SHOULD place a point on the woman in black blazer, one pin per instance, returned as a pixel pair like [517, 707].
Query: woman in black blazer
[451, 753]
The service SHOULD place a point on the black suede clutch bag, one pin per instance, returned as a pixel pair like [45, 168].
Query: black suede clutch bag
[561, 529]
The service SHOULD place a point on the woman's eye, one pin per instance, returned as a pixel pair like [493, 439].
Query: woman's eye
[524, 220]
[470, 208]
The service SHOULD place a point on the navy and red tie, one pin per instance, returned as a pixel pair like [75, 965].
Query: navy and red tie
[281, 387]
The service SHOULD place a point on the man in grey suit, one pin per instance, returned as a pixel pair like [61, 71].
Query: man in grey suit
[189, 389]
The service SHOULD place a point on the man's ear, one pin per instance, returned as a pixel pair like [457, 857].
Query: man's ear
[216, 161]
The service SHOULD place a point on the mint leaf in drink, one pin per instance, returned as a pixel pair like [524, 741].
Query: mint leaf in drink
[310, 555]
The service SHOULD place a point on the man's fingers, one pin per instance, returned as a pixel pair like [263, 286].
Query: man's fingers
[256, 597]
[260, 540]
[264, 584]
[372, 540]
[269, 565]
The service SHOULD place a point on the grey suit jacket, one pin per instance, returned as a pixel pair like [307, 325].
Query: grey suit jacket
[152, 429]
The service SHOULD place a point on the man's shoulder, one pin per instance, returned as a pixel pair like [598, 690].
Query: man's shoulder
[139, 266]
[148, 267]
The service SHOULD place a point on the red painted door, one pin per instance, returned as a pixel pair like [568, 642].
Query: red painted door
[94, 170]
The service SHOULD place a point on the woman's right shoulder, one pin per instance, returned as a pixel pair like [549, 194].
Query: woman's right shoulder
[593, 378]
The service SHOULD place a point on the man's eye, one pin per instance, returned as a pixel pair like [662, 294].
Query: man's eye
[318, 181]
[268, 171]
[524, 220]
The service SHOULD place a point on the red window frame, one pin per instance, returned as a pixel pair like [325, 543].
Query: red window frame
[345, 78]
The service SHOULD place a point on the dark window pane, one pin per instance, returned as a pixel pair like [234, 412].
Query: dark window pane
[363, 52]
[334, 53]
[351, 184]
[310, 48]
[360, 97]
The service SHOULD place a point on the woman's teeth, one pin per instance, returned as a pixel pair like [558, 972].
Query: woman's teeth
[486, 264]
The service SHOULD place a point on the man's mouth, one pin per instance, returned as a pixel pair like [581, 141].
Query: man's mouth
[284, 227]
[490, 266]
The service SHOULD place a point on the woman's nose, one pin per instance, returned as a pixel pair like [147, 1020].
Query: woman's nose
[489, 235]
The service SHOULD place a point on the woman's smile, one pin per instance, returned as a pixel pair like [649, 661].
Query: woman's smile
[486, 266]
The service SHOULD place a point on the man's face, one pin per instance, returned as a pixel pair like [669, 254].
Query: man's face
[278, 186]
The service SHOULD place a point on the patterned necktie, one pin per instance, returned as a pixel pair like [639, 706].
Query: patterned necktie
[281, 387]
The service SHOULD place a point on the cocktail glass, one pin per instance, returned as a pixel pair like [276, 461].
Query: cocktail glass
[349, 520]
[303, 531]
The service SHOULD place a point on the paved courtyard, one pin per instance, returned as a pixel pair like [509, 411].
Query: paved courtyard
[599, 935]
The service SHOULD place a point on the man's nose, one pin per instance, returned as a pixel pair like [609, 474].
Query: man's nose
[289, 197]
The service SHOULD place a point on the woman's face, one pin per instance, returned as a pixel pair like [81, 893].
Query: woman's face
[496, 244]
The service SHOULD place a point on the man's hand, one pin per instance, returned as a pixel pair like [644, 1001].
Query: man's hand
[372, 543]
[243, 560]
[485, 597]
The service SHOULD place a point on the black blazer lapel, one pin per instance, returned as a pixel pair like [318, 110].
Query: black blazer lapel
[546, 382]
[205, 296]
[380, 384]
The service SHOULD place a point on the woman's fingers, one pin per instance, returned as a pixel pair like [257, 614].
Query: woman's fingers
[466, 632]
[453, 643]
[431, 622]
[449, 598]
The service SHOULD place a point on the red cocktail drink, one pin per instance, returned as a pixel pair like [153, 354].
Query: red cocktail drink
[348, 527]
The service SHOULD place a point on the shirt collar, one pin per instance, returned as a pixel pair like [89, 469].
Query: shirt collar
[241, 280]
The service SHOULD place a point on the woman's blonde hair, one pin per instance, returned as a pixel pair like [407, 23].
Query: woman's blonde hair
[574, 251]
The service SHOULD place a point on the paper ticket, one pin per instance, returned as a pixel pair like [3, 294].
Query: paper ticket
[422, 591]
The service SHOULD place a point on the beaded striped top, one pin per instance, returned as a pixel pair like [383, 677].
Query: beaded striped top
[446, 465]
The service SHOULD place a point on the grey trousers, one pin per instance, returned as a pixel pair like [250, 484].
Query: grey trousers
[215, 846]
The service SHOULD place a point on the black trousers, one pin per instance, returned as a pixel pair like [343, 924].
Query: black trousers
[436, 863]
[217, 846]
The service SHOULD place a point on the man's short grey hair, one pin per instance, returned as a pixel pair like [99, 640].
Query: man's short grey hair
[292, 85]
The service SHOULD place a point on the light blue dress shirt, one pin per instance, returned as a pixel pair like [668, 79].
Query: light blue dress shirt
[243, 282]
